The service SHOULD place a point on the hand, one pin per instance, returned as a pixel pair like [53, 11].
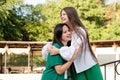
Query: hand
[53, 50]
[50, 48]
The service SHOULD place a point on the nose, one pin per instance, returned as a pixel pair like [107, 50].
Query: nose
[61, 16]
[69, 33]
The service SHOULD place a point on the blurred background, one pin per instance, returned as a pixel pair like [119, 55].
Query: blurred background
[27, 25]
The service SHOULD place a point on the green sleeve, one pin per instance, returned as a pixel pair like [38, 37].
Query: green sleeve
[55, 59]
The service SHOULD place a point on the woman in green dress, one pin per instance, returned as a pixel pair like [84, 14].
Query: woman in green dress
[55, 65]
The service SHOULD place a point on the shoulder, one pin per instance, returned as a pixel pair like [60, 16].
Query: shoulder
[56, 45]
[81, 29]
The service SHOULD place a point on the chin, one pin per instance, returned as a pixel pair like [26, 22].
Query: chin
[63, 21]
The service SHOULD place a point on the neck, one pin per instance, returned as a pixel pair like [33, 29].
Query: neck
[64, 43]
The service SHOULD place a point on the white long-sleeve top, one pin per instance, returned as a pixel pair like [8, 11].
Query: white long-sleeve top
[83, 61]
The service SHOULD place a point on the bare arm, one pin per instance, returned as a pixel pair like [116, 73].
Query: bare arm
[62, 68]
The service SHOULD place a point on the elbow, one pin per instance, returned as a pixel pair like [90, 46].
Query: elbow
[59, 72]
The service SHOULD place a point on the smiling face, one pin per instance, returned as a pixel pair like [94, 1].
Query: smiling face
[66, 35]
[62, 34]
[64, 17]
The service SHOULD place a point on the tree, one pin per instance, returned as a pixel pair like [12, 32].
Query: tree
[7, 20]
[36, 23]
[91, 13]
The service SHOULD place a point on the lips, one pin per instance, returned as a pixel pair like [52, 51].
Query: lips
[63, 20]
[68, 36]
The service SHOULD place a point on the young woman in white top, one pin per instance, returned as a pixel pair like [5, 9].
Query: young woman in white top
[86, 64]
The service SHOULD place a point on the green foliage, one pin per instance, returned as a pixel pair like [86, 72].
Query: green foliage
[91, 14]
[17, 60]
[17, 24]
[112, 32]
[22, 60]
[9, 21]
[36, 23]
[38, 61]
[12, 27]
[118, 5]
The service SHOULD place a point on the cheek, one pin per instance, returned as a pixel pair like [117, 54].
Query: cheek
[67, 20]
[63, 37]
[66, 38]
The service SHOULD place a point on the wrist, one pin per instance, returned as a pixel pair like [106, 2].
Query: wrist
[57, 51]
[71, 60]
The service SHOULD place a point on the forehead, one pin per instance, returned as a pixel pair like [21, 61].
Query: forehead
[65, 27]
[63, 11]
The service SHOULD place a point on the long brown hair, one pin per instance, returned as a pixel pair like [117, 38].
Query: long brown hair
[75, 23]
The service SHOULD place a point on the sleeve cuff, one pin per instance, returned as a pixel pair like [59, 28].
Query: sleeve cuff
[45, 51]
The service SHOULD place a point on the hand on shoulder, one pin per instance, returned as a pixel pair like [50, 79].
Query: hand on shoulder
[53, 50]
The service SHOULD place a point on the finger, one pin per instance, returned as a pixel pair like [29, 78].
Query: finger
[52, 47]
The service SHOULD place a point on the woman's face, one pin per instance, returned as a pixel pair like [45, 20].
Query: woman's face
[66, 34]
[64, 17]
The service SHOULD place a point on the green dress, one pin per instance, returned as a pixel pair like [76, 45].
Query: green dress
[90, 74]
[50, 72]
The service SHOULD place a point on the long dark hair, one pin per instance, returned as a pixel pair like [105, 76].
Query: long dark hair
[58, 30]
[75, 23]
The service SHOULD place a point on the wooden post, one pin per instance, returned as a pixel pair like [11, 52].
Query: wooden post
[115, 49]
[5, 63]
[29, 51]
[31, 60]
